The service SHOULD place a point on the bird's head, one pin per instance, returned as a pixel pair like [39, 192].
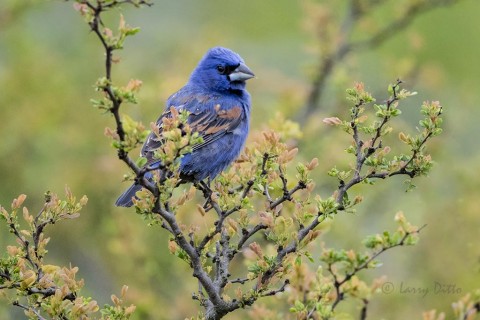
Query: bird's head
[221, 69]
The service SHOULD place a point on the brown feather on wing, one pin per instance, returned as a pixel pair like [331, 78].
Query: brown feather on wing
[211, 124]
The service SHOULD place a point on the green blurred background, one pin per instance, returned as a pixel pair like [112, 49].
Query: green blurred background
[51, 136]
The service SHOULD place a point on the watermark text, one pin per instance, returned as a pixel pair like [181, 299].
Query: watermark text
[436, 288]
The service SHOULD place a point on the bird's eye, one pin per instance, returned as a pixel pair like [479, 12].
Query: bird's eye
[221, 69]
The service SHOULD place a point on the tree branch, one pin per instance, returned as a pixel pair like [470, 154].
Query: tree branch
[95, 24]
[329, 61]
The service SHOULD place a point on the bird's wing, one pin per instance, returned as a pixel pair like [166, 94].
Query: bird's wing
[207, 117]
[212, 123]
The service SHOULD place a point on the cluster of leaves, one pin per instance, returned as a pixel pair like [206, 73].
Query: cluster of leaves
[372, 157]
[177, 139]
[317, 294]
[43, 289]
[467, 308]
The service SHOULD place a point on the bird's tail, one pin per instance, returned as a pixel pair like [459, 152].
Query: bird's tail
[125, 200]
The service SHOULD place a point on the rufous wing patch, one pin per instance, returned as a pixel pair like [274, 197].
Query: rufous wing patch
[221, 120]
[230, 114]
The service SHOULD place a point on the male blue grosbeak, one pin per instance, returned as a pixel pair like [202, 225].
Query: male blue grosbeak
[219, 110]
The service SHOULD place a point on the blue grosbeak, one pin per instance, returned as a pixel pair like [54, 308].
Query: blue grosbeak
[219, 110]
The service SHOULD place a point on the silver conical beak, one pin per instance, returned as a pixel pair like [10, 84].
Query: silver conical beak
[241, 73]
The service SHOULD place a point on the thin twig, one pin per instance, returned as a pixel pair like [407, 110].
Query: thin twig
[247, 234]
[29, 309]
[240, 280]
[363, 312]
[274, 292]
[287, 196]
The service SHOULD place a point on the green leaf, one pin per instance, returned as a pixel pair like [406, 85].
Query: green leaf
[298, 261]
[132, 31]
[309, 256]
[141, 161]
